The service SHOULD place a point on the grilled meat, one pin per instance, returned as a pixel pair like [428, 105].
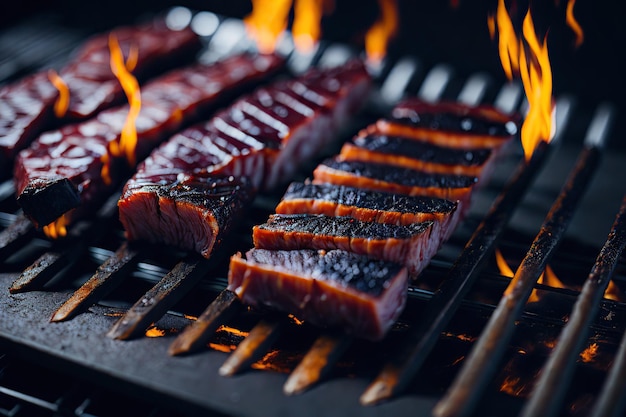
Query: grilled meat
[193, 213]
[62, 169]
[411, 245]
[368, 205]
[334, 288]
[26, 107]
[418, 155]
[450, 124]
[246, 140]
[389, 178]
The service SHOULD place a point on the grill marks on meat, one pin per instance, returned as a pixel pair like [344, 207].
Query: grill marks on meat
[395, 179]
[194, 213]
[61, 170]
[261, 137]
[333, 288]
[26, 107]
[369, 205]
[408, 245]
[450, 124]
[414, 154]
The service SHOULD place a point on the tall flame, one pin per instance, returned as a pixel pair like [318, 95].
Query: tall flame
[128, 138]
[528, 58]
[63, 101]
[378, 36]
[267, 22]
[573, 23]
[307, 22]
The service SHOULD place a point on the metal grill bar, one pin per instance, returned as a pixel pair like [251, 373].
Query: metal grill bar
[480, 366]
[555, 377]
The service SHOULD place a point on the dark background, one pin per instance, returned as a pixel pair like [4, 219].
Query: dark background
[433, 31]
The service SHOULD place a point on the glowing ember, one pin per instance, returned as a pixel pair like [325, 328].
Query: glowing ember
[267, 22]
[295, 320]
[512, 386]
[377, 37]
[128, 138]
[63, 101]
[528, 58]
[57, 229]
[155, 332]
[573, 23]
[222, 348]
[613, 292]
[589, 354]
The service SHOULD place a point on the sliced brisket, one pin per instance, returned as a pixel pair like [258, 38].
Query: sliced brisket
[411, 245]
[335, 289]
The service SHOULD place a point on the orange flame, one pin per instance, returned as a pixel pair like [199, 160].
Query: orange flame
[63, 101]
[128, 138]
[267, 22]
[307, 23]
[613, 292]
[573, 23]
[57, 228]
[528, 58]
[378, 36]
[548, 277]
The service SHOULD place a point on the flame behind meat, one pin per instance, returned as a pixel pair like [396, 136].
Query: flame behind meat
[378, 36]
[127, 143]
[63, 101]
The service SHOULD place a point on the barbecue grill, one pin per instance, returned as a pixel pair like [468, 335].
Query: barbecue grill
[557, 210]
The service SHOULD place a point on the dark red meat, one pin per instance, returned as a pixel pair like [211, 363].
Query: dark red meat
[450, 124]
[369, 205]
[193, 213]
[246, 140]
[62, 169]
[394, 179]
[411, 245]
[336, 289]
[26, 107]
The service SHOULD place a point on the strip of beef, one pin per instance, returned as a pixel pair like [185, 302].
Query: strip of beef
[335, 289]
[247, 139]
[369, 205]
[26, 106]
[450, 124]
[62, 169]
[418, 155]
[393, 179]
[412, 245]
[193, 213]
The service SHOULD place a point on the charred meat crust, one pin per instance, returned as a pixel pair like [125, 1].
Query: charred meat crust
[193, 213]
[327, 288]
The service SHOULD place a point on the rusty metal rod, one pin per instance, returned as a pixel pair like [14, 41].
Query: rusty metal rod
[14, 236]
[549, 391]
[486, 353]
[106, 278]
[317, 363]
[196, 335]
[154, 303]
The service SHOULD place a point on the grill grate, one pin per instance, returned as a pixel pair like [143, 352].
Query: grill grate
[80, 348]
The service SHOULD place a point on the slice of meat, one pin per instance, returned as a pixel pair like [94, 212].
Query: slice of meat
[335, 289]
[369, 205]
[393, 179]
[418, 155]
[26, 106]
[62, 169]
[412, 245]
[194, 213]
[450, 124]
